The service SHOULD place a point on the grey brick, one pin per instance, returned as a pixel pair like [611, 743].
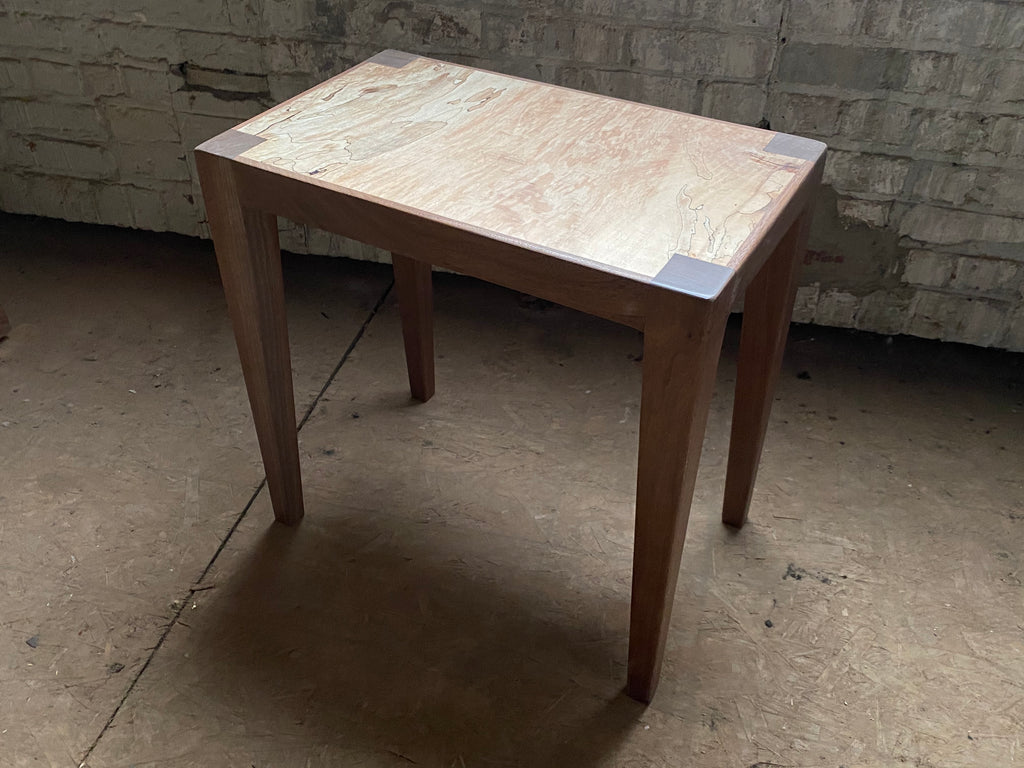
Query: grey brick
[624, 85]
[880, 121]
[761, 15]
[952, 21]
[814, 116]
[932, 71]
[1006, 136]
[845, 66]
[945, 183]
[735, 102]
[953, 131]
[694, 54]
[677, 93]
[840, 17]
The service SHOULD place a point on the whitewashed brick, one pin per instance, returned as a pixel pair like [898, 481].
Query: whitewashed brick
[201, 103]
[139, 124]
[102, 80]
[67, 158]
[66, 121]
[14, 76]
[837, 308]
[152, 160]
[951, 130]
[283, 87]
[148, 209]
[929, 269]
[1013, 339]
[217, 51]
[806, 303]
[50, 77]
[919, 98]
[113, 205]
[861, 173]
[180, 209]
[195, 129]
[883, 311]
[988, 276]
[146, 86]
[872, 212]
[945, 226]
[940, 315]
[946, 183]
[1006, 136]
[879, 121]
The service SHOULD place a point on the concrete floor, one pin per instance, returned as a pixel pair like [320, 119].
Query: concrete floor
[458, 593]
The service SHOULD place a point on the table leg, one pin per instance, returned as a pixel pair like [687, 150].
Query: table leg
[416, 306]
[682, 343]
[249, 256]
[767, 311]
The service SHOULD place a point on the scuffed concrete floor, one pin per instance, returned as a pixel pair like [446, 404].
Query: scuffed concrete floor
[458, 593]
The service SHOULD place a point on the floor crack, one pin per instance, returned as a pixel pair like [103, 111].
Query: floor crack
[197, 585]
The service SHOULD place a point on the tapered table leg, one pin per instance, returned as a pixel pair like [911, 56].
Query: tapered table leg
[416, 306]
[249, 256]
[682, 343]
[767, 311]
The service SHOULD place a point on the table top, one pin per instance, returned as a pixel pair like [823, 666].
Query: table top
[625, 187]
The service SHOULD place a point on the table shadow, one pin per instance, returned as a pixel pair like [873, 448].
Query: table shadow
[434, 645]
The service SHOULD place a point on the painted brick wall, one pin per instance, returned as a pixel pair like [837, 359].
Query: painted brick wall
[919, 230]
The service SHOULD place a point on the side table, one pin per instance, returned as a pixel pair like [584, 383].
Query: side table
[645, 216]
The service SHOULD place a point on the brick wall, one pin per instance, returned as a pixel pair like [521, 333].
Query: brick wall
[919, 230]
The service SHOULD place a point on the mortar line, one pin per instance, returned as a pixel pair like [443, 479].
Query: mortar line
[234, 526]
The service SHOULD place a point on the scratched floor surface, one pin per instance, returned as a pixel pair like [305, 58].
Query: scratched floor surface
[458, 593]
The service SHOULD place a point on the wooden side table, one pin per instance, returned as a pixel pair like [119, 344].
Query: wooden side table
[641, 215]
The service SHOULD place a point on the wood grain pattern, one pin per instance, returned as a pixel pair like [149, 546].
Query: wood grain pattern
[620, 184]
[574, 283]
[249, 257]
[682, 342]
[767, 309]
[416, 306]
